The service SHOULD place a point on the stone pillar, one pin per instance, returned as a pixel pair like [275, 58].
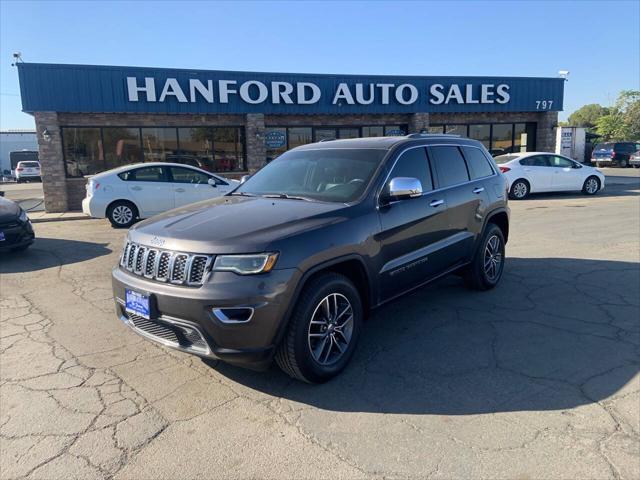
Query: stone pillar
[254, 131]
[54, 182]
[418, 122]
[546, 132]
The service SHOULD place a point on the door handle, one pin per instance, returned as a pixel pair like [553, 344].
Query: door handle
[478, 190]
[436, 203]
[136, 188]
[179, 190]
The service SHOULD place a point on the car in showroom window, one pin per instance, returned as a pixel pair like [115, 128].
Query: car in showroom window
[126, 194]
[286, 266]
[535, 172]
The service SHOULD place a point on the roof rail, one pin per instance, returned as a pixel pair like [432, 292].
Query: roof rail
[427, 135]
[326, 140]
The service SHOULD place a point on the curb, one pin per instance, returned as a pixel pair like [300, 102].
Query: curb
[60, 219]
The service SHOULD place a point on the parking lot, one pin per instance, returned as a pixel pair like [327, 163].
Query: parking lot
[535, 379]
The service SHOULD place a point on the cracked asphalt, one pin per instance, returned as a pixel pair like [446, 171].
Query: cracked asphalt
[538, 378]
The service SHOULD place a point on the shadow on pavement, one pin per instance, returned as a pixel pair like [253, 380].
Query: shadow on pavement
[616, 190]
[50, 252]
[556, 334]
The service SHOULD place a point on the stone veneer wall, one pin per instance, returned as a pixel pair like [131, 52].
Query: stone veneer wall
[62, 194]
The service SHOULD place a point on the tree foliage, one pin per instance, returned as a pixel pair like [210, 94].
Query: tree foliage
[587, 116]
[623, 120]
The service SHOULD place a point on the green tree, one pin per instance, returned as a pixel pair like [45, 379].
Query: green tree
[587, 116]
[623, 121]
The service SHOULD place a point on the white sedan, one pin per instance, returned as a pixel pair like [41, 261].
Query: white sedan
[138, 191]
[534, 172]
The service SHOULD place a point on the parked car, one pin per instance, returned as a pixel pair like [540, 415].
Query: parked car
[138, 191]
[534, 172]
[16, 232]
[288, 265]
[614, 153]
[634, 160]
[27, 171]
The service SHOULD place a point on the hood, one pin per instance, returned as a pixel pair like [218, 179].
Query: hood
[9, 210]
[234, 224]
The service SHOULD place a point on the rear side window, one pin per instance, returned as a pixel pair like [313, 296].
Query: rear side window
[625, 147]
[479, 166]
[535, 161]
[146, 174]
[449, 164]
[413, 163]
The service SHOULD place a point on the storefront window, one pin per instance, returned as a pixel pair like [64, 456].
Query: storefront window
[394, 130]
[524, 137]
[502, 139]
[436, 129]
[275, 141]
[299, 136]
[159, 144]
[83, 152]
[228, 150]
[481, 133]
[456, 130]
[373, 131]
[196, 147]
[324, 134]
[121, 146]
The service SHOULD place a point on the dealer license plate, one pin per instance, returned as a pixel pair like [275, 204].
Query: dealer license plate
[137, 303]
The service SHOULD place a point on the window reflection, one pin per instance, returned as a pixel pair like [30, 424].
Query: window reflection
[196, 147]
[501, 140]
[83, 152]
[456, 130]
[481, 133]
[299, 136]
[158, 143]
[121, 146]
[435, 129]
[377, 131]
[227, 149]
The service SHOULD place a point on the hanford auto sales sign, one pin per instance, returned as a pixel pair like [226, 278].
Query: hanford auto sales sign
[82, 88]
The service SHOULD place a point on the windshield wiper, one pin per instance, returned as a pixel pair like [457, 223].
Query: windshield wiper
[243, 194]
[288, 197]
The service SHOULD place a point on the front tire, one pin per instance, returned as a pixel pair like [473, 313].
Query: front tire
[485, 270]
[591, 186]
[623, 163]
[519, 190]
[122, 214]
[323, 330]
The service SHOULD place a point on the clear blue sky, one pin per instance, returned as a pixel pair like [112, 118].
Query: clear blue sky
[598, 42]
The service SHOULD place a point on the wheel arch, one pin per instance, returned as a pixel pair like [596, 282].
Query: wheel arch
[499, 217]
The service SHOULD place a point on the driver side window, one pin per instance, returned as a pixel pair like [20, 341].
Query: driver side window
[414, 163]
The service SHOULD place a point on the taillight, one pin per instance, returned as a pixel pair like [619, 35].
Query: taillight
[504, 169]
[19, 169]
[613, 155]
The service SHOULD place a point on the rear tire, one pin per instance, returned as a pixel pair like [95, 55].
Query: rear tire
[323, 331]
[591, 185]
[519, 190]
[623, 163]
[122, 214]
[487, 266]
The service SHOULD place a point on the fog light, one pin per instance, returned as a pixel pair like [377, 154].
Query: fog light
[233, 314]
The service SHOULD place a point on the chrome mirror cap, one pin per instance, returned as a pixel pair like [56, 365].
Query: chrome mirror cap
[405, 187]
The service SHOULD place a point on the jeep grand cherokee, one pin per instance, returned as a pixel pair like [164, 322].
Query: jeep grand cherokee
[289, 264]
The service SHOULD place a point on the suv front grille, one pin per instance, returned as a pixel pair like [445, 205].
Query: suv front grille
[166, 266]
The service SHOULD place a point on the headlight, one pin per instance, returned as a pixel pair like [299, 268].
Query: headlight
[23, 216]
[245, 264]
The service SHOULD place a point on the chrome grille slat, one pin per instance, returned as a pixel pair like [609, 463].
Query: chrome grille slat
[166, 266]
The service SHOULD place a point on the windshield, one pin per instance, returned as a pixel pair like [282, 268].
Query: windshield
[505, 158]
[604, 146]
[326, 174]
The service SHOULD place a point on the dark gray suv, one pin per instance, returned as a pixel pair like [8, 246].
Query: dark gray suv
[289, 264]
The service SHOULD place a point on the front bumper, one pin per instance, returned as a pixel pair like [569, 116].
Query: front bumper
[184, 315]
[16, 235]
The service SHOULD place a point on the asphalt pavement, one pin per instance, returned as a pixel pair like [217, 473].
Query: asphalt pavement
[536, 379]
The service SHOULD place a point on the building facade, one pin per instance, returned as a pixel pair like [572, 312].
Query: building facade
[91, 118]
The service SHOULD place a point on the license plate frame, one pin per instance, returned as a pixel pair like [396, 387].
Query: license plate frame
[139, 303]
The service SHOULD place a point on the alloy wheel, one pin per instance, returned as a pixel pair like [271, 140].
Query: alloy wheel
[520, 190]
[493, 258]
[331, 329]
[122, 214]
[591, 186]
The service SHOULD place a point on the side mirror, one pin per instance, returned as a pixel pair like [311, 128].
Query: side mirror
[212, 182]
[577, 165]
[244, 178]
[405, 187]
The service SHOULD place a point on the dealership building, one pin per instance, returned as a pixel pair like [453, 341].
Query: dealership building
[93, 118]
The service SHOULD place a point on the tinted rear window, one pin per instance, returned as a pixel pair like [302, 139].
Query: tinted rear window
[449, 164]
[30, 164]
[479, 166]
[504, 158]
